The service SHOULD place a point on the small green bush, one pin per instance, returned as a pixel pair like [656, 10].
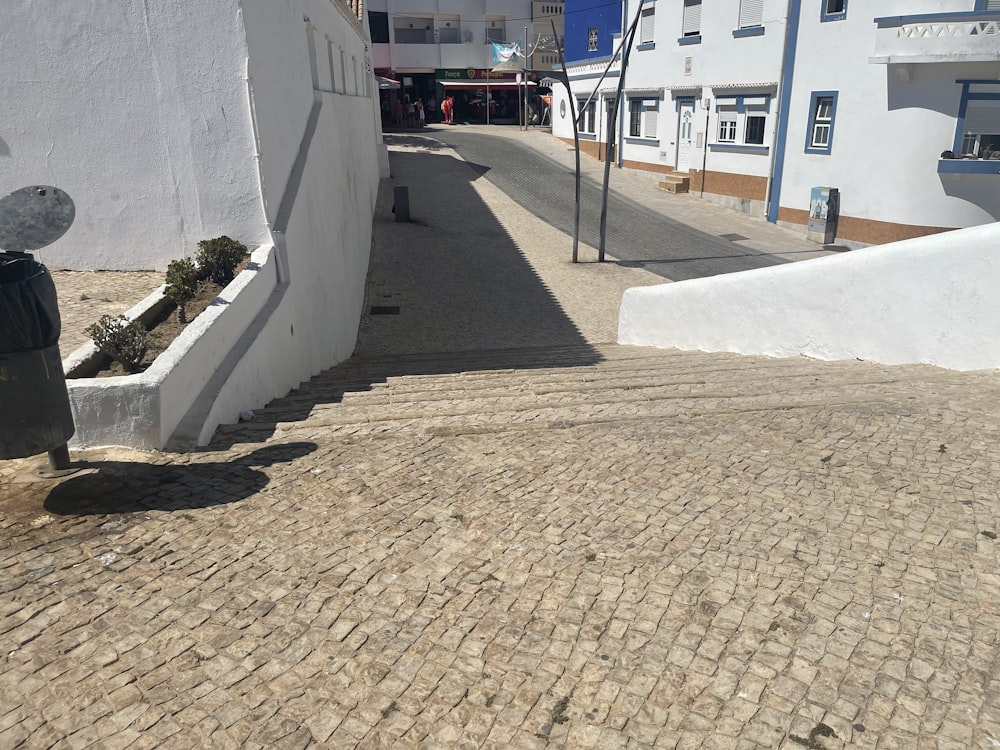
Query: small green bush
[217, 259]
[121, 339]
[182, 285]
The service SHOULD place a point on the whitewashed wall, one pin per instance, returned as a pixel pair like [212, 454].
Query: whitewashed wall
[930, 300]
[139, 112]
[313, 322]
[143, 113]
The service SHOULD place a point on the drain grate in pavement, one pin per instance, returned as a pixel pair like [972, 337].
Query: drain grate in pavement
[384, 310]
[733, 237]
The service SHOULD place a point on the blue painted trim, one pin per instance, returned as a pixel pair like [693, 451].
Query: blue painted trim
[781, 138]
[978, 81]
[969, 166]
[750, 147]
[645, 46]
[588, 136]
[749, 31]
[960, 125]
[683, 100]
[984, 15]
[689, 40]
[642, 141]
[824, 16]
[981, 95]
[828, 148]
[584, 76]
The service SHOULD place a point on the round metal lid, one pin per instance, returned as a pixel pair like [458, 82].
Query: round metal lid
[33, 217]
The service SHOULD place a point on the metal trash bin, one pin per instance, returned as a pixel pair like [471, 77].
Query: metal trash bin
[34, 400]
[35, 413]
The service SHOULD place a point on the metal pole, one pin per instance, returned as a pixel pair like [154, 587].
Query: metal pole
[704, 154]
[525, 56]
[628, 38]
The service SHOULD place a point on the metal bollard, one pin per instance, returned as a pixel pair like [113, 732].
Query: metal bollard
[401, 199]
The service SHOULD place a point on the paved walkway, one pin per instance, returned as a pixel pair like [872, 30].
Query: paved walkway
[645, 550]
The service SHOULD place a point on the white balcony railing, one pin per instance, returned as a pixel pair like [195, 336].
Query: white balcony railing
[938, 37]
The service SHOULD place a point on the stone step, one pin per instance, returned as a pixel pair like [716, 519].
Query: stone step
[362, 397]
[676, 182]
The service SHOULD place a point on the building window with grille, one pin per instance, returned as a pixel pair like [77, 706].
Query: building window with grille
[823, 112]
[727, 127]
[742, 122]
[643, 115]
[592, 39]
[981, 129]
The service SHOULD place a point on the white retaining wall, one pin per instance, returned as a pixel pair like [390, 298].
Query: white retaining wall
[184, 121]
[931, 300]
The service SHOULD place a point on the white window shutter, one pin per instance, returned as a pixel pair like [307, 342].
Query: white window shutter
[992, 4]
[646, 25]
[752, 13]
[983, 117]
[651, 118]
[692, 17]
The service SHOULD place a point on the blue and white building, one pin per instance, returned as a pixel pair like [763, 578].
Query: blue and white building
[753, 103]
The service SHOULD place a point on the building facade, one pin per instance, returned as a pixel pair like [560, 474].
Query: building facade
[437, 49]
[754, 103]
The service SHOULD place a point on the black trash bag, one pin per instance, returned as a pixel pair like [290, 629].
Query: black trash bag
[29, 312]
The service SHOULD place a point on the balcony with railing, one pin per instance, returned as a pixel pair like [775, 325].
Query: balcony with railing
[938, 38]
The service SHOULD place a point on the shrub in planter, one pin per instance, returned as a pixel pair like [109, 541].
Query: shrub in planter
[121, 339]
[182, 285]
[217, 259]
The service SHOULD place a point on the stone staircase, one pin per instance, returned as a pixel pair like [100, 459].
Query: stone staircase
[558, 388]
[676, 182]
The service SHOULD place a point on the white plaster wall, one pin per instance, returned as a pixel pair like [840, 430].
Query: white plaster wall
[328, 237]
[931, 300]
[138, 111]
[892, 123]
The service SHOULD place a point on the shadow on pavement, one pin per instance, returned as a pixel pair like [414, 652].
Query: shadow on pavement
[449, 291]
[125, 487]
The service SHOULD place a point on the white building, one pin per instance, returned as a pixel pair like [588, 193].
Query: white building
[436, 48]
[182, 120]
[753, 103]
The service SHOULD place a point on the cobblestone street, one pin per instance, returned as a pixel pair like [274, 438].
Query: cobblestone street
[564, 544]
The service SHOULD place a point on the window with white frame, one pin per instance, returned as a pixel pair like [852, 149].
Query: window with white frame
[727, 127]
[587, 117]
[691, 24]
[822, 111]
[646, 22]
[743, 120]
[592, 39]
[751, 13]
[833, 10]
[643, 116]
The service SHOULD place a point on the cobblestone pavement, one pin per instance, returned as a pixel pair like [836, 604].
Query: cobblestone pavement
[569, 544]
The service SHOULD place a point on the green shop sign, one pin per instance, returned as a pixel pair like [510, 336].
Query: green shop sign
[472, 74]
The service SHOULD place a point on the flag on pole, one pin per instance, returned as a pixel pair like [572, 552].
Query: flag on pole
[504, 52]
